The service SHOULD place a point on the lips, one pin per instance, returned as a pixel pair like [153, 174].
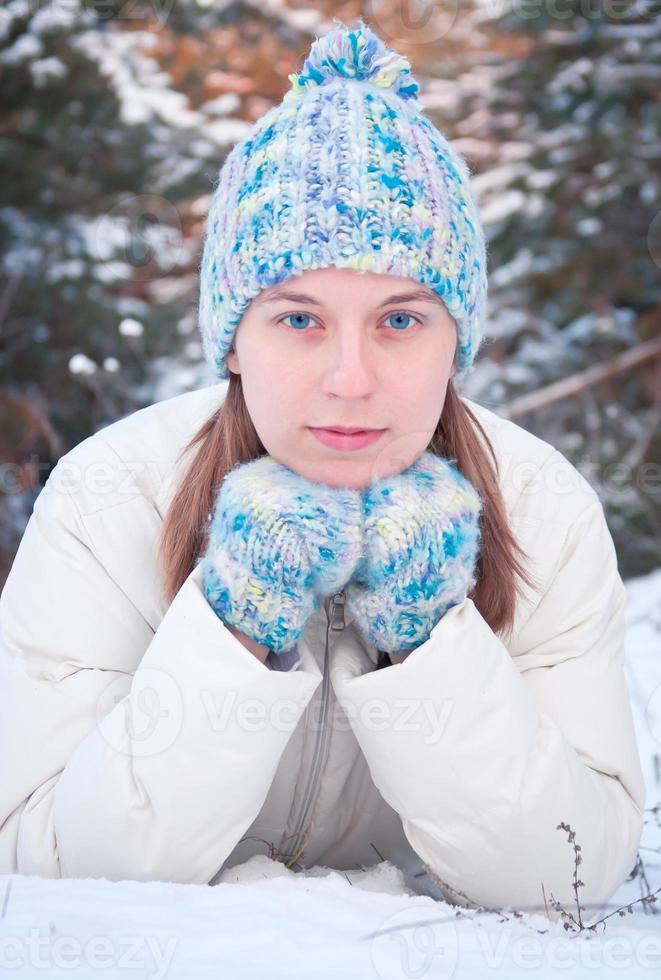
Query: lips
[346, 439]
[345, 430]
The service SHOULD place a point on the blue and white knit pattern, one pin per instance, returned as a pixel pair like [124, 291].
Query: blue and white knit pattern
[346, 171]
[422, 538]
[278, 543]
[404, 549]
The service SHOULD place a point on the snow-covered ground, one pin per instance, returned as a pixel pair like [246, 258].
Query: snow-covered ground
[264, 920]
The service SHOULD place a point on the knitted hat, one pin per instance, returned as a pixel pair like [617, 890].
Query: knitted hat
[346, 171]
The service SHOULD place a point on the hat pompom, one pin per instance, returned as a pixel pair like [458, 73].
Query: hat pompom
[359, 54]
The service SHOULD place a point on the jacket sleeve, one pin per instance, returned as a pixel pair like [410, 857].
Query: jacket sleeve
[126, 752]
[484, 751]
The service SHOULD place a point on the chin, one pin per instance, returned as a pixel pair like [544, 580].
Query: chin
[344, 474]
[347, 474]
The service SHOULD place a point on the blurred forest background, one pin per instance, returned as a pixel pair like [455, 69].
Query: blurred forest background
[114, 121]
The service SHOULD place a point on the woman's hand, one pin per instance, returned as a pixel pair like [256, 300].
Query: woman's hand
[421, 547]
[278, 544]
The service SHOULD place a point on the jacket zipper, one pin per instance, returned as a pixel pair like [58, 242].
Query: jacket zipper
[335, 615]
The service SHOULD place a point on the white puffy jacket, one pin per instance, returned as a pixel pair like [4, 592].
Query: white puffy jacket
[143, 741]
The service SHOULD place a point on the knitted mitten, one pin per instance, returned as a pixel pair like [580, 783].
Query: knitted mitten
[278, 544]
[421, 548]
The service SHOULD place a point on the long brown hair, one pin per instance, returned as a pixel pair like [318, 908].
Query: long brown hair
[228, 437]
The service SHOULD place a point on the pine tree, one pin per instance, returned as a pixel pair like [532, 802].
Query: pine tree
[562, 104]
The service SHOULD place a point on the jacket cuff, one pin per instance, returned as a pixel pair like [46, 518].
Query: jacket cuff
[285, 661]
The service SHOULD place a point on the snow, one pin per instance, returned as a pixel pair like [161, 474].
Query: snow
[307, 19]
[221, 105]
[519, 267]
[131, 328]
[227, 132]
[60, 16]
[69, 269]
[501, 208]
[589, 226]
[272, 922]
[541, 180]
[170, 378]
[6, 21]
[141, 87]
[45, 69]
[263, 919]
[81, 364]
[574, 76]
[23, 48]
[50, 17]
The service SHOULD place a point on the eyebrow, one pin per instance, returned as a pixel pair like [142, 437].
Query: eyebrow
[420, 295]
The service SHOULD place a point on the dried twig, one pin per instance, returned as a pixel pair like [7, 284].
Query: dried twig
[582, 380]
[569, 919]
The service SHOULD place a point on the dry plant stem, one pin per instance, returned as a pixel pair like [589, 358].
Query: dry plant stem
[569, 919]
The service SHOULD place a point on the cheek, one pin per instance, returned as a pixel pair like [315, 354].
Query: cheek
[267, 362]
[419, 404]
[274, 408]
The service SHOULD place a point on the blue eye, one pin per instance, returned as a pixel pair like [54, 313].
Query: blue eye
[303, 316]
[306, 317]
[401, 314]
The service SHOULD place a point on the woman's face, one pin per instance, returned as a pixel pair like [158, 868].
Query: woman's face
[340, 347]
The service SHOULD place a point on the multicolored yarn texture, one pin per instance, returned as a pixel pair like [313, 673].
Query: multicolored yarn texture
[422, 538]
[404, 550]
[278, 543]
[348, 172]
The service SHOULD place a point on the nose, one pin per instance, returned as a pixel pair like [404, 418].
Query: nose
[350, 365]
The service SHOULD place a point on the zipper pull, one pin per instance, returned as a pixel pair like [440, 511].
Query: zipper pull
[336, 619]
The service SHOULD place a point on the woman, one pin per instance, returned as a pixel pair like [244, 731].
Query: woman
[230, 631]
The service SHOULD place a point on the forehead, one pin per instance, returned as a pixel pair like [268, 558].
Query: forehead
[327, 286]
